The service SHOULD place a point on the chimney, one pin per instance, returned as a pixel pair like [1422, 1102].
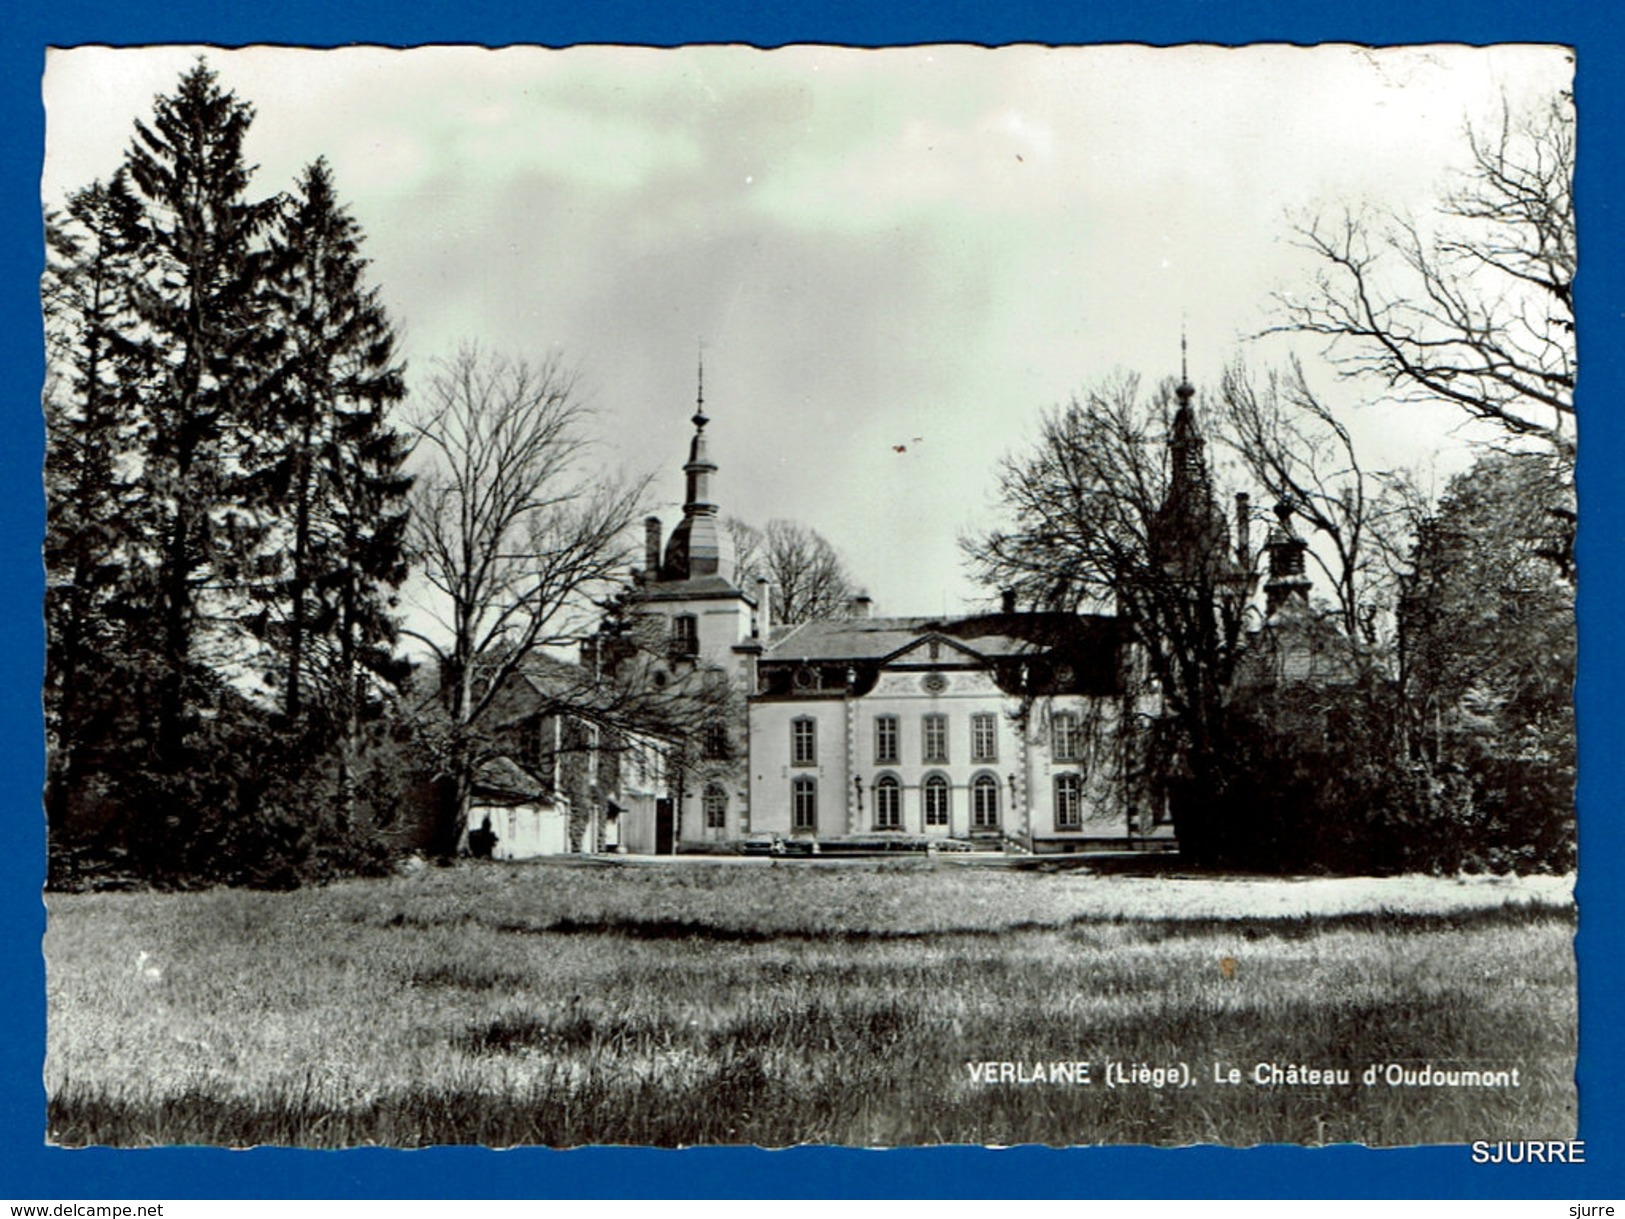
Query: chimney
[1244, 548]
[861, 604]
[651, 546]
[1007, 601]
[764, 608]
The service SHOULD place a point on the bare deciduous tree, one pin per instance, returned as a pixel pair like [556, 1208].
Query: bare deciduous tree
[511, 531]
[808, 576]
[1106, 515]
[1474, 309]
[1293, 446]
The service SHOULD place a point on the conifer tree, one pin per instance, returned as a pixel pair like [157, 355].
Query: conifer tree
[89, 438]
[331, 466]
[199, 301]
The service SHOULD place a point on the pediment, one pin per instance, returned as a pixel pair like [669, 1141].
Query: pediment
[934, 648]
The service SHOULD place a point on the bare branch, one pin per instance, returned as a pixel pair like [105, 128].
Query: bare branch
[515, 535]
[808, 576]
[1476, 310]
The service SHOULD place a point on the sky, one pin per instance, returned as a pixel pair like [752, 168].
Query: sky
[894, 260]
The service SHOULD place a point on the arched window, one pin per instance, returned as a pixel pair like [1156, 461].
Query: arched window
[936, 802]
[984, 795]
[716, 807]
[1064, 739]
[804, 803]
[1068, 802]
[888, 803]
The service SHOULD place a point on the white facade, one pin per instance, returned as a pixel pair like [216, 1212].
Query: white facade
[1006, 728]
[524, 831]
[931, 740]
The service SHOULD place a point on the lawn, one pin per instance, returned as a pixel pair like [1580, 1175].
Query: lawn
[575, 1002]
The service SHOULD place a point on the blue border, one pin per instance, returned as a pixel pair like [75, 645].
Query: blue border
[30, 1172]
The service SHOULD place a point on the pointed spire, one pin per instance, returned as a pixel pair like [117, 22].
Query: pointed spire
[695, 548]
[700, 419]
[1185, 390]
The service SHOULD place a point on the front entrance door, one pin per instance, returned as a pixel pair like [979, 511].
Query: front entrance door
[665, 836]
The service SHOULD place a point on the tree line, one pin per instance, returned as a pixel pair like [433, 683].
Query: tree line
[227, 505]
[238, 487]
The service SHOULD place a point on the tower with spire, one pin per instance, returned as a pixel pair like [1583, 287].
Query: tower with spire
[697, 547]
[1190, 536]
[695, 628]
[686, 588]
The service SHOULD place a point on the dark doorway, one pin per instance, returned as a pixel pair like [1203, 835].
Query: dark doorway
[665, 837]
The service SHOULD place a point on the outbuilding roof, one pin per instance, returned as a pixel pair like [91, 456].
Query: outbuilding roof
[502, 780]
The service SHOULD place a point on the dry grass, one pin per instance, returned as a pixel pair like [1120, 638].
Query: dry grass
[567, 1004]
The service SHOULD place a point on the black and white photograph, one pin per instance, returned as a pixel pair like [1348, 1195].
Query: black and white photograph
[710, 596]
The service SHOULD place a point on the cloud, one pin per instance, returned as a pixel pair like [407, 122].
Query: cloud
[874, 245]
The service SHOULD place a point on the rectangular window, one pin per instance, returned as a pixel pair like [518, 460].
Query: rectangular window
[611, 750]
[1064, 731]
[538, 752]
[716, 808]
[934, 734]
[804, 803]
[714, 746]
[531, 750]
[685, 635]
[885, 739]
[1068, 802]
[984, 738]
[803, 742]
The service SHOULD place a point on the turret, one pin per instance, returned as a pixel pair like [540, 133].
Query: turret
[1288, 583]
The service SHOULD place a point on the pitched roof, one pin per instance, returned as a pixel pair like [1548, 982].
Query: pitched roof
[501, 778]
[551, 677]
[546, 684]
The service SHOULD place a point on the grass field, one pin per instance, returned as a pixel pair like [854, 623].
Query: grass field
[568, 1002]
